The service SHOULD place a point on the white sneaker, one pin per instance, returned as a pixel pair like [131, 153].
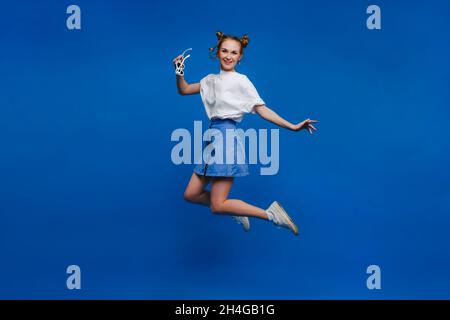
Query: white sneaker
[279, 216]
[242, 220]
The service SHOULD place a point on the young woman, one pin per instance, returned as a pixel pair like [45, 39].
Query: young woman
[227, 96]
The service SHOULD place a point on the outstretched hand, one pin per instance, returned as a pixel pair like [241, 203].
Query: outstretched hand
[306, 124]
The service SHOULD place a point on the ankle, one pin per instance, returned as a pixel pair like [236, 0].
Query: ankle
[269, 216]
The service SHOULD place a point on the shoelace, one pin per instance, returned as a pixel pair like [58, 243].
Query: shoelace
[277, 221]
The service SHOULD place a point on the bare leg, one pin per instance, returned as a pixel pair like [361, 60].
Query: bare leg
[221, 204]
[195, 192]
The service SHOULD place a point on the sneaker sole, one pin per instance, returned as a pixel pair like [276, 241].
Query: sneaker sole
[246, 227]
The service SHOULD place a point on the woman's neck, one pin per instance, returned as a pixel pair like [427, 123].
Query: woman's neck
[223, 70]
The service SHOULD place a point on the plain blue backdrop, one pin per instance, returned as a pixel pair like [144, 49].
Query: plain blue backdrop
[87, 179]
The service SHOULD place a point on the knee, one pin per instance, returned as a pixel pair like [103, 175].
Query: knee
[216, 207]
[189, 196]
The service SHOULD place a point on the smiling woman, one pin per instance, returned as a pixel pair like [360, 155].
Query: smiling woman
[229, 52]
[227, 97]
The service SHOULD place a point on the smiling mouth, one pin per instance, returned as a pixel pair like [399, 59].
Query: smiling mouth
[228, 61]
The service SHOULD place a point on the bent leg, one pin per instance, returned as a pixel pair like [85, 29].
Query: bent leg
[221, 204]
[195, 192]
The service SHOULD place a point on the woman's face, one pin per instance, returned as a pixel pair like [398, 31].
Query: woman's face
[229, 54]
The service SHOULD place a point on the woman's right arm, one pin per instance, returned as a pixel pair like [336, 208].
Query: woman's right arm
[185, 88]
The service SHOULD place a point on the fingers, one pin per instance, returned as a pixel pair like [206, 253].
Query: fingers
[311, 128]
[307, 124]
[177, 58]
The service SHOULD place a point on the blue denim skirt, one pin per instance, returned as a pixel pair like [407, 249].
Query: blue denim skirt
[224, 152]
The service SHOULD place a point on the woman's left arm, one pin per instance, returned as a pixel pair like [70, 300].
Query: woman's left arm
[270, 115]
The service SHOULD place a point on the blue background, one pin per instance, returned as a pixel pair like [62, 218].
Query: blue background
[87, 179]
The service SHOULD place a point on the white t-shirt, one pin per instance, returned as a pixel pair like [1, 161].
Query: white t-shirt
[228, 95]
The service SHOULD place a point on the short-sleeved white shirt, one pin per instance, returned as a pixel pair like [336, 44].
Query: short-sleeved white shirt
[228, 95]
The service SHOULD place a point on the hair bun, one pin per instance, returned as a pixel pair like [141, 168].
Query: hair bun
[219, 35]
[244, 40]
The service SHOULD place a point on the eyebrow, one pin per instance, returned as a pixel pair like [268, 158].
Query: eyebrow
[229, 49]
